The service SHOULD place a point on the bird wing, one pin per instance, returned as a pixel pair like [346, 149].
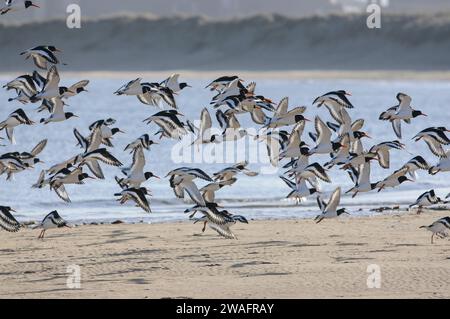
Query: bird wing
[95, 168]
[205, 122]
[138, 160]
[8, 222]
[434, 146]
[334, 200]
[282, 107]
[397, 126]
[39, 147]
[81, 84]
[193, 192]
[323, 132]
[52, 81]
[61, 192]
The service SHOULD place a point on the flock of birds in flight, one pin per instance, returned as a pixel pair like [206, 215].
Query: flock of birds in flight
[232, 99]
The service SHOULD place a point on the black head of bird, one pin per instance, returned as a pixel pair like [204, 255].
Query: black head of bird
[360, 134]
[183, 85]
[337, 145]
[148, 175]
[342, 211]
[52, 47]
[83, 176]
[416, 113]
[37, 160]
[30, 4]
[343, 92]
[69, 115]
[403, 178]
[7, 209]
[304, 151]
[240, 218]
[299, 118]
[116, 130]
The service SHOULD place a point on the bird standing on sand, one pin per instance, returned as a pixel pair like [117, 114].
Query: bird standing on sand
[52, 220]
[439, 228]
[428, 198]
[7, 220]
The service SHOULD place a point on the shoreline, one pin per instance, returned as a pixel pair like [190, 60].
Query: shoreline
[384, 75]
[271, 259]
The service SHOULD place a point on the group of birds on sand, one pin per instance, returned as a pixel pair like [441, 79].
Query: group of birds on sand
[282, 131]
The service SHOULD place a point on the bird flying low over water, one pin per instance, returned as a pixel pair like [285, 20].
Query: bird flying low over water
[17, 5]
[181, 180]
[401, 112]
[329, 210]
[42, 55]
[137, 195]
[18, 117]
[434, 137]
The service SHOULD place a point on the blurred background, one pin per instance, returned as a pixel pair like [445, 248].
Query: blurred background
[230, 8]
[199, 35]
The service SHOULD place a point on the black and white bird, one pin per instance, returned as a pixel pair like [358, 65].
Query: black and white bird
[220, 221]
[284, 117]
[182, 179]
[18, 117]
[135, 175]
[42, 55]
[395, 179]
[74, 89]
[324, 145]
[382, 151]
[7, 220]
[334, 101]
[428, 198]
[14, 162]
[231, 172]
[401, 112]
[329, 210]
[143, 141]
[57, 113]
[434, 137]
[172, 82]
[442, 166]
[205, 135]
[220, 83]
[169, 123]
[363, 183]
[64, 177]
[52, 220]
[439, 228]
[138, 195]
[209, 191]
[17, 5]
[299, 189]
[417, 163]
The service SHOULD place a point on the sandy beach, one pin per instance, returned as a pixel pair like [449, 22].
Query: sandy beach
[271, 259]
